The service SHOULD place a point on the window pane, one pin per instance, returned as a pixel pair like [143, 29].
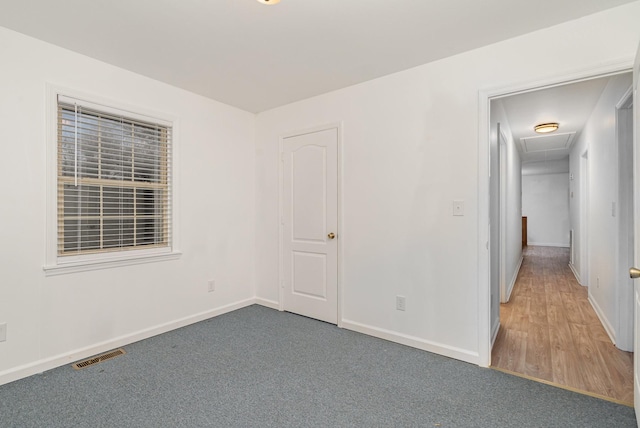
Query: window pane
[148, 231]
[148, 201]
[116, 150]
[81, 200]
[118, 233]
[118, 201]
[88, 146]
[67, 142]
[148, 154]
[81, 234]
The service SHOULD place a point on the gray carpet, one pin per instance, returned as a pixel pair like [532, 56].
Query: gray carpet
[257, 367]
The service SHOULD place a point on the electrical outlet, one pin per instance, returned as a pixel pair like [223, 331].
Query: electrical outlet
[401, 303]
[212, 286]
[3, 332]
[598, 282]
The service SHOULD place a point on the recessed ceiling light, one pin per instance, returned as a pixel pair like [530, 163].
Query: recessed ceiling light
[544, 128]
[269, 1]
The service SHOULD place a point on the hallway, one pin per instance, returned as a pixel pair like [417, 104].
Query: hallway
[549, 331]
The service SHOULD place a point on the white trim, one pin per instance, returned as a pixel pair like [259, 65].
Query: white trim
[547, 244]
[55, 265]
[624, 218]
[627, 100]
[280, 222]
[338, 126]
[78, 354]
[502, 216]
[603, 319]
[583, 212]
[341, 227]
[412, 341]
[495, 330]
[605, 69]
[485, 95]
[83, 266]
[575, 273]
[484, 226]
[514, 278]
[272, 304]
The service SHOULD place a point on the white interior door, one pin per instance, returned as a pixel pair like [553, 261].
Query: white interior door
[636, 215]
[310, 224]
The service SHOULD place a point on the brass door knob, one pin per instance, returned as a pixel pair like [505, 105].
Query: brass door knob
[331, 235]
[634, 273]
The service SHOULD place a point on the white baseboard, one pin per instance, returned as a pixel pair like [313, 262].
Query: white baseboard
[514, 278]
[603, 319]
[414, 342]
[547, 244]
[575, 273]
[268, 303]
[79, 354]
[494, 331]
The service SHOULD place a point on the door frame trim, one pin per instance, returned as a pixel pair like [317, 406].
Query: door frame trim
[485, 95]
[338, 126]
[502, 216]
[624, 285]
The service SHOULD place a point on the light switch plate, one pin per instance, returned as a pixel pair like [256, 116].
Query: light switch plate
[458, 207]
[3, 332]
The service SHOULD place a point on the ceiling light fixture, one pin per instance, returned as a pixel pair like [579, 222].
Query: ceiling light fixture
[545, 128]
[269, 1]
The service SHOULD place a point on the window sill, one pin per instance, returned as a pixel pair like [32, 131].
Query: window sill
[97, 264]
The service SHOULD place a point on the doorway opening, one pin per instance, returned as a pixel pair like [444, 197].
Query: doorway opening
[554, 317]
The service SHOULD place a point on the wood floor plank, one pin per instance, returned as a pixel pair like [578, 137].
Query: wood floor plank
[538, 352]
[520, 316]
[550, 331]
[565, 372]
[597, 377]
[573, 309]
[514, 351]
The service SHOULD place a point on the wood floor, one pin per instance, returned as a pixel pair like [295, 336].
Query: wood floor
[549, 331]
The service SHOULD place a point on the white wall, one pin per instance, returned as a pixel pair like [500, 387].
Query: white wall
[545, 203]
[410, 149]
[53, 319]
[546, 167]
[599, 139]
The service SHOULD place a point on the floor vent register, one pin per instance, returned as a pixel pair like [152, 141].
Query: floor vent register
[98, 359]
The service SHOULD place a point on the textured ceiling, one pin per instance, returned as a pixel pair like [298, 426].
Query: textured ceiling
[257, 57]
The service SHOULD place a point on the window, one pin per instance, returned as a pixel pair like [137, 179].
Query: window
[113, 175]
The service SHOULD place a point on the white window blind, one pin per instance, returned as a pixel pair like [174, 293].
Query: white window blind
[114, 176]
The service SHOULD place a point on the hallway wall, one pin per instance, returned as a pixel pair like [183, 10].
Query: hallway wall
[599, 138]
[545, 203]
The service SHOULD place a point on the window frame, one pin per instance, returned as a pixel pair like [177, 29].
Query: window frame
[56, 264]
